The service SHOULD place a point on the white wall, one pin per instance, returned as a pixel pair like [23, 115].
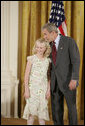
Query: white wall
[9, 58]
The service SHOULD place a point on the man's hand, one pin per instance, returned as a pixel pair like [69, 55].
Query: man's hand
[72, 84]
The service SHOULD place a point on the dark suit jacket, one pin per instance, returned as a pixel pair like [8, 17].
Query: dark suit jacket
[67, 63]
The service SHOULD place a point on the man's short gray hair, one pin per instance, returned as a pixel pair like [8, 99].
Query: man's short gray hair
[50, 27]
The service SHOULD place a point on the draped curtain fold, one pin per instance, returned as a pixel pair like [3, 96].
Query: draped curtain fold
[34, 15]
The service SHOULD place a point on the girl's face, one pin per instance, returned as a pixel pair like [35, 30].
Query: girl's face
[40, 48]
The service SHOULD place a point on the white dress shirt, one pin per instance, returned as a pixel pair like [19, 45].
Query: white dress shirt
[57, 41]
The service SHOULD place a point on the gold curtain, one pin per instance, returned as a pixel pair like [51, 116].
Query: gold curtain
[34, 15]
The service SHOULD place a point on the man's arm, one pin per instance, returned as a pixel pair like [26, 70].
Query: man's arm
[75, 61]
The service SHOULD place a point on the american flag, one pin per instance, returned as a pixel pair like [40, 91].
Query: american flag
[57, 16]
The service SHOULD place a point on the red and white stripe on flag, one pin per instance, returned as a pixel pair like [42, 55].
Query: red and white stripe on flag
[57, 16]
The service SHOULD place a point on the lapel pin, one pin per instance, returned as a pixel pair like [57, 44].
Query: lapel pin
[61, 47]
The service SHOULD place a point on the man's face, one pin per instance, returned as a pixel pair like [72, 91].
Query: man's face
[47, 36]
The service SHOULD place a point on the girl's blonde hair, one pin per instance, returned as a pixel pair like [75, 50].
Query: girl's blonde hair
[48, 49]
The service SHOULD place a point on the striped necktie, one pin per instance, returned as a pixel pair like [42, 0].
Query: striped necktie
[54, 53]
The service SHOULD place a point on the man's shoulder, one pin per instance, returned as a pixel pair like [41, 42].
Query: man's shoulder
[67, 39]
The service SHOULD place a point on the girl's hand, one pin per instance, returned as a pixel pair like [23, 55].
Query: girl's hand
[26, 95]
[47, 94]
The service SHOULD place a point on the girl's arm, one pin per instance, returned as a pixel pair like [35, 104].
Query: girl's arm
[26, 78]
[48, 91]
[48, 86]
[49, 75]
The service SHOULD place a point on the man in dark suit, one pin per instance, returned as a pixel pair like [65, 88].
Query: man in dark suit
[64, 73]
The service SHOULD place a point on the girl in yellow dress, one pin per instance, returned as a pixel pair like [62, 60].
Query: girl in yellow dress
[37, 84]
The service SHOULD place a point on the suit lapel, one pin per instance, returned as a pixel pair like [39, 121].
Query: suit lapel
[60, 48]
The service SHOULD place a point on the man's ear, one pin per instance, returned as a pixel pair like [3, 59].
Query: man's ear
[53, 32]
